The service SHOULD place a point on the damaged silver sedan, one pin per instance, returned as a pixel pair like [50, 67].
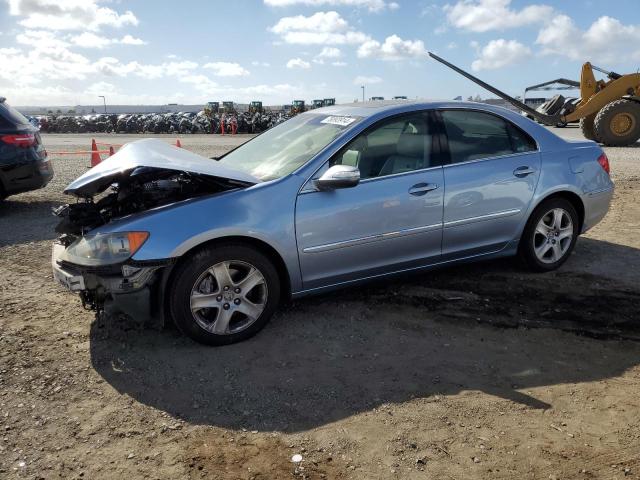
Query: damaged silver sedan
[332, 197]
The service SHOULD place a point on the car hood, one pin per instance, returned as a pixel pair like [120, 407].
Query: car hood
[150, 153]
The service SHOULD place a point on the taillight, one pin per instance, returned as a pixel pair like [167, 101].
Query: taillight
[604, 163]
[22, 140]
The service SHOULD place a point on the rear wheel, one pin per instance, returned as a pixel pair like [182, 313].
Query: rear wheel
[550, 235]
[587, 127]
[224, 294]
[618, 123]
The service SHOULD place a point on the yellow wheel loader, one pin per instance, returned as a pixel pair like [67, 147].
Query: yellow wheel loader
[608, 111]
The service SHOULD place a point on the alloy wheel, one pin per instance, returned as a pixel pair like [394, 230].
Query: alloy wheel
[228, 297]
[553, 235]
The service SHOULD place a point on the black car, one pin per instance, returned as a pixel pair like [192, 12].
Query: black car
[23, 160]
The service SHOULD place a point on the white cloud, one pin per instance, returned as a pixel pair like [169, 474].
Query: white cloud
[606, 40]
[393, 48]
[298, 63]
[321, 28]
[52, 61]
[68, 15]
[227, 69]
[318, 22]
[91, 40]
[330, 52]
[362, 80]
[257, 63]
[500, 53]
[485, 15]
[38, 38]
[371, 5]
[327, 53]
[129, 40]
[102, 88]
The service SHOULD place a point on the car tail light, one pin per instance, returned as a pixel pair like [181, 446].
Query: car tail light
[604, 163]
[24, 140]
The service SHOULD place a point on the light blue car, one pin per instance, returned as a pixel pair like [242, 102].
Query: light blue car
[329, 198]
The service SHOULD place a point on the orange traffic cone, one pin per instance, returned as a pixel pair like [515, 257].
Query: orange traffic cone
[111, 151]
[178, 144]
[95, 156]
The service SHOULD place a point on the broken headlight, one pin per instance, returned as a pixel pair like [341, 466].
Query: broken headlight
[105, 248]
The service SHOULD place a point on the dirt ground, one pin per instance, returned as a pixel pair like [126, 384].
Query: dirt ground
[475, 372]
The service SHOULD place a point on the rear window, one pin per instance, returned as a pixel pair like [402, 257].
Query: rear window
[9, 116]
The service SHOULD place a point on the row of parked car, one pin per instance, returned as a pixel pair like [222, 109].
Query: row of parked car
[181, 122]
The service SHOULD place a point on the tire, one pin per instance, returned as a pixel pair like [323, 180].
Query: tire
[545, 244]
[225, 322]
[618, 123]
[587, 127]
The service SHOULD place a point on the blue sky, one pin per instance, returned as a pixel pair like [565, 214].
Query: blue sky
[70, 51]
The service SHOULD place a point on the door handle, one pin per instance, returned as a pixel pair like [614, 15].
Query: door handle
[421, 188]
[523, 171]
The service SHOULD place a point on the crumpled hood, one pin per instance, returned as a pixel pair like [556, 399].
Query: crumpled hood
[151, 153]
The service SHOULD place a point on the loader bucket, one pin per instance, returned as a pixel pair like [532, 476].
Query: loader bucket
[546, 119]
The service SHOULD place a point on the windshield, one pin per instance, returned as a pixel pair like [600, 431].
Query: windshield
[282, 149]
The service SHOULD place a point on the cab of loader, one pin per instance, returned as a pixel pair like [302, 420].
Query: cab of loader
[608, 110]
[377, 99]
[211, 108]
[400, 97]
[329, 102]
[255, 107]
[297, 106]
[318, 103]
[228, 107]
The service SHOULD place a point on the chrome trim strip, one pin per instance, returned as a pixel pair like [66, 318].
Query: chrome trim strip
[371, 238]
[506, 213]
[487, 159]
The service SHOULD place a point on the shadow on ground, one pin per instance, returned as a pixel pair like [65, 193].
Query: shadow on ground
[326, 358]
[23, 221]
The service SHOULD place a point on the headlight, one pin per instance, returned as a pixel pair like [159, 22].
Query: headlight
[105, 249]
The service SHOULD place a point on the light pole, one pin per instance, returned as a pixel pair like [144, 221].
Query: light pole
[104, 100]
[362, 87]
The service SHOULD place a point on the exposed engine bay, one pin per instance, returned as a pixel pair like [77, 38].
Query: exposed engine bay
[138, 190]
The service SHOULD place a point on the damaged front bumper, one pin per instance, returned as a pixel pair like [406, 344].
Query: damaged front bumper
[132, 288]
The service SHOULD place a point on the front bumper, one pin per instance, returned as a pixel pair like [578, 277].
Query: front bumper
[138, 294]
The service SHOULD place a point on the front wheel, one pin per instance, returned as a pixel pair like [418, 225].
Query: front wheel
[224, 294]
[550, 235]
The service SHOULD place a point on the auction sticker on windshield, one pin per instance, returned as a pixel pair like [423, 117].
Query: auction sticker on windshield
[336, 120]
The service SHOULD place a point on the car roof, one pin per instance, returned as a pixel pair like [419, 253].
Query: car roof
[375, 110]
[382, 108]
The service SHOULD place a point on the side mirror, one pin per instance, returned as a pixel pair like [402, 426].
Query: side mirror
[339, 176]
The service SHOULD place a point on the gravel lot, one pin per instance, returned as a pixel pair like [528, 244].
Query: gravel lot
[481, 371]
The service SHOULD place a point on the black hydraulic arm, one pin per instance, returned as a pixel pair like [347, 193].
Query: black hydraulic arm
[548, 119]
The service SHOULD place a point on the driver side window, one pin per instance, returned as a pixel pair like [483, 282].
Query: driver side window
[399, 145]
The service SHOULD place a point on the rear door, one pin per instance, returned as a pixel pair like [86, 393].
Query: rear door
[490, 178]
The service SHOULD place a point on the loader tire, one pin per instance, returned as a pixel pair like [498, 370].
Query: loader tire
[587, 127]
[618, 123]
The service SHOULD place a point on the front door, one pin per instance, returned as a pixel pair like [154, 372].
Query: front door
[390, 221]
[490, 180]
